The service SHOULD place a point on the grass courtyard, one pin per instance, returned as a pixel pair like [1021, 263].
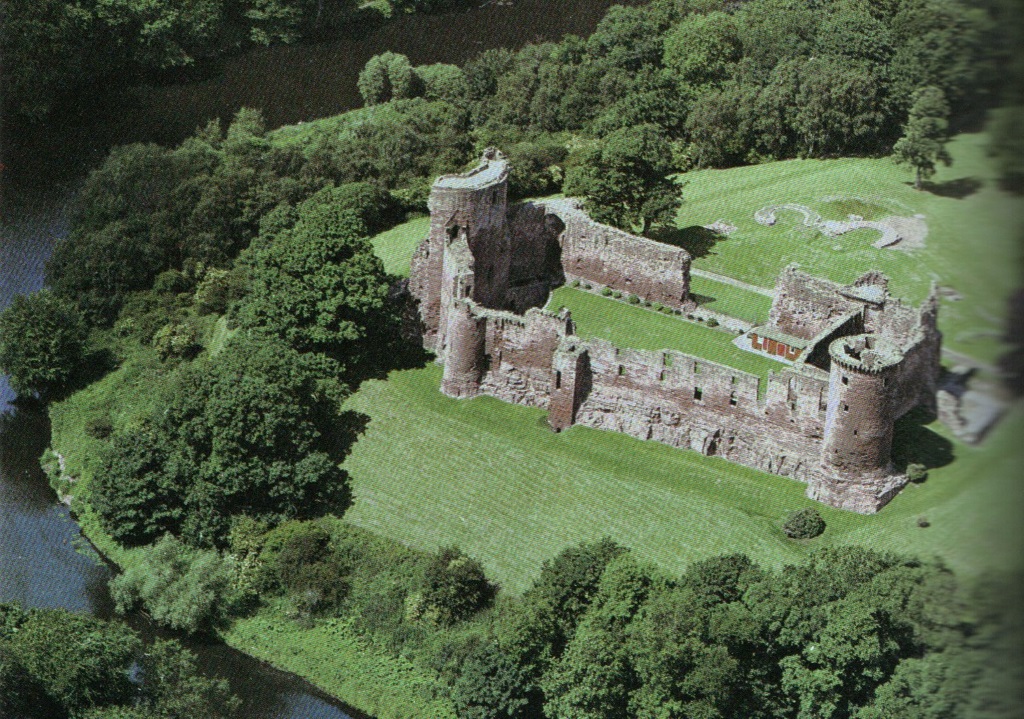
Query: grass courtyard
[636, 327]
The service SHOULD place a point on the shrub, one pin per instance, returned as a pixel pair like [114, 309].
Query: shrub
[298, 559]
[923, 522]
[176, 340]
[587, 286]
[917, 472]
[633, 299]
[574, 283]
[804, 524]
[712, 322]
[606, 291]
[181, 588]
[454, 588]
[617, 295]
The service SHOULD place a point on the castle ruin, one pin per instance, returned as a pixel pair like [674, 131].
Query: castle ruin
[859, 359]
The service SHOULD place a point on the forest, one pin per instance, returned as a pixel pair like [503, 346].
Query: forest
[234, 273]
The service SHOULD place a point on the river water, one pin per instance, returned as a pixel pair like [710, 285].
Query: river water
[44, 561]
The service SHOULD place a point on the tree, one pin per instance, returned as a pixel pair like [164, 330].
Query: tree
[387, 76]
[924, 136]
[454, 587]
[79, 661]
[318, 286]
[623, 179]
[181, 588]
[42, 341]
[491, 684]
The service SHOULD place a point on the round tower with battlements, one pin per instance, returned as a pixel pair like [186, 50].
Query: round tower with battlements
[859, 416]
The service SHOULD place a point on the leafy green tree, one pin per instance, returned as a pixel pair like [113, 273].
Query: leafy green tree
[804, 524]
[623, 179]
[79, 661]
[454, 587]
[701, 50]
[680, 670]
[136, 492]
[298, 559]
[923, 144]
[442, 81]
[491, 684]
[838, 108]
[42, 342]
[595, 676]
[387, 76]
[318, 286]
[185, 589]
[173, 687]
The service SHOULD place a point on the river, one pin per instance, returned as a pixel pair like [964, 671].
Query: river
[44, 561]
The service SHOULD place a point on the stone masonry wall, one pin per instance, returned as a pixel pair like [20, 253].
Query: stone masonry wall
[606, 256]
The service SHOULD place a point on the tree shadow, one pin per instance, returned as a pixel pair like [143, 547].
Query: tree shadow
[916, 443]
[957, 189]
[697, 240]
[343, 432]
[702, 299]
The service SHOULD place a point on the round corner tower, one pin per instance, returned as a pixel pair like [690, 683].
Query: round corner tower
[859, 416]
[467, 220]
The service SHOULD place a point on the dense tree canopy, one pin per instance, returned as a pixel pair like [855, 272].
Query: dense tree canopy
[623, 179]
[42, 343]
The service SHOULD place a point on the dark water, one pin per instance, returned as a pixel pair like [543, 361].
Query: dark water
[44, 561]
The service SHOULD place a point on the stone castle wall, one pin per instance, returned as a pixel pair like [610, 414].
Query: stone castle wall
[486, 269]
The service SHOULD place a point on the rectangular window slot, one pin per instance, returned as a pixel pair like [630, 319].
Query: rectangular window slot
[846, 380]
[846, 408]
[696, 368]
[558, 380]
[732, 399]
[622, 370]
[661, 377]
[697, 393]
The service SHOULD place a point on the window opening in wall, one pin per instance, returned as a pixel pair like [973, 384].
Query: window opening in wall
[697, 393]
[846, 380]
[622, 370]
[661, 376]
[494, 195]
[854, 433]
[666, 359]
[453, 232]
[696, 368]
[732, 399]
[885, 381]
[732, 380]
[846, 408]
[558, 379]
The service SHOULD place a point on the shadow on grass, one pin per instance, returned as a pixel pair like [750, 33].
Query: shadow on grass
[956, 189]
[916, 443]
[698, 241]
[702, 299]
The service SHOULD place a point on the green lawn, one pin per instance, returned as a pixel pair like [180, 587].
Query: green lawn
[490, 477]
[396, 246]
[628, 325]
[972, 244]
[729, 300]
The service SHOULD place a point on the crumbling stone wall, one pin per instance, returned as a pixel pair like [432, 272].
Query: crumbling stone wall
[607, 256]
[804, 305]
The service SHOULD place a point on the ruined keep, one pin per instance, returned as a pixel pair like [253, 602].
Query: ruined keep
[858, 358]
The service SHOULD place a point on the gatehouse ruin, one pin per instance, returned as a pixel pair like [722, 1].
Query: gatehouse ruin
[859, 359]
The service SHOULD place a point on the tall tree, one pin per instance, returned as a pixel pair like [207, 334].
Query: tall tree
[924, 136]
[42, 340]
[623, 179]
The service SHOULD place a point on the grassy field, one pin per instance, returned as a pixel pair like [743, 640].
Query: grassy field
[628, 325]
[972, 246]
[729, 300]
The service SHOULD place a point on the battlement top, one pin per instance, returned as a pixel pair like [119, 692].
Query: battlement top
[865, 353]
[493, 168]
